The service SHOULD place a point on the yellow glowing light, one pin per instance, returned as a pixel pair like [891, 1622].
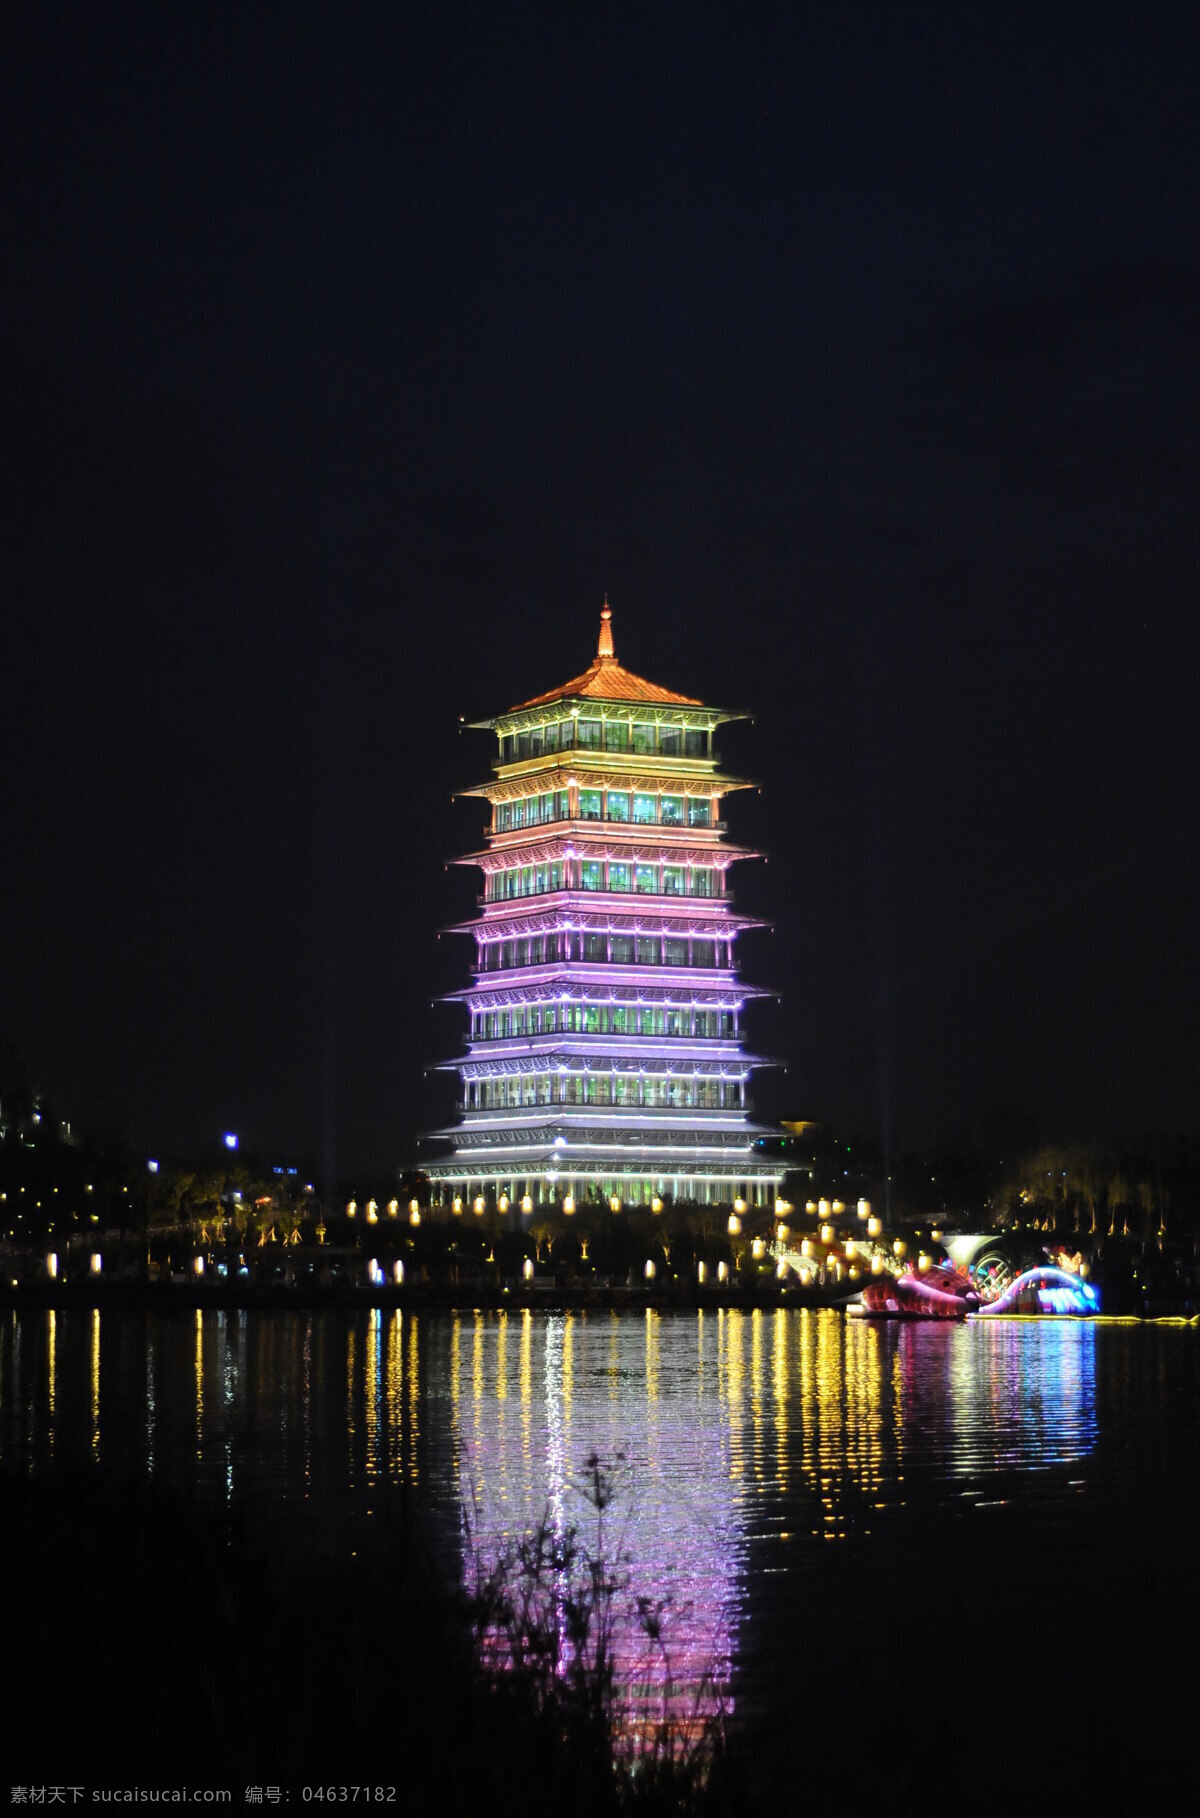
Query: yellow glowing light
[806, 1276]
[810, 1205]
[734, 1226]
[739, 1205]
[781, 1269]
[826, 1234]
[614, 1204]
[393, 1208]
[52, 1266]
[398, 1273]
[702, 1273]
[503, 1202]
[838, 1206]
[863, 1208]
[874, 1227]
[923, 1261]
[877, 1265]
[784, 1232]
[722, 1271]
[936, 1236]
[198, 1265]
[649, 1271]
[899, 1247]
[372, 1212]
[457, 1208]
[527, 1268]
[782, 1207]
[823, 1207]
[96, 1263]
[527, 1203]
[850, 1247]
[656, 1204]
[758, 1249]
[479, 1206]
[569, 1205]
[806, 1246]
[414, 1215]
[351, 1209]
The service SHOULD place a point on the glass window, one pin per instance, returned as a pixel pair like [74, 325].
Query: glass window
[620, 1017]
[616, 735]
[562, 805]
[672, 880]
[672, 810]
[503, 813]
[518, 813]
[589, 734]
[699, 811]
[618, 805]
[704, 953]
[643, 737]
[552, 736]
[566, 734]
[676, 1022]
[589, 804]
[645, 810]
[669, 741]
[646, 879]
[591, 874]
[674, 951]
[649, 952]
[619, 877]
[695, 742]
[595, 947]
[522, 745]
[536, 742]
[507, 748]
[621, 949]
[554, 880]
[704, 880]
[539, 880]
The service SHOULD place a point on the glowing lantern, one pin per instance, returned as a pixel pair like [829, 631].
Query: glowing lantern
[649, 1271]
[734, 1226]
[96, 1263]
[826, 1234]
[722, 1271]
[702, 1273]
[823, 1207]
[478, 1204]
[373, 1212]
[863, 1208]
[874, 1227]
[393, 1208]
[569, 1205]
[457, 1208]
[656, 1204]
[838, 1206]
[810, 1205]
[351, 1209]
[414, 1215]
[781, 1270]
[614, 1204]
[52, 1266]
[527, 1268]
[198, 1265]
[503, 1202]
[739, 1205]
[527, 1204]
[783, 1233]
[398, 1273]
[758, 1249]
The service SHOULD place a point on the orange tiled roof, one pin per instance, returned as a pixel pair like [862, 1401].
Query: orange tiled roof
[607, 681]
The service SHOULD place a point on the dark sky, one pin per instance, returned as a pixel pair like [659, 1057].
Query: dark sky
[353, 355]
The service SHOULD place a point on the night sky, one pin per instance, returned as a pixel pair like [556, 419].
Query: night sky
[354, 354]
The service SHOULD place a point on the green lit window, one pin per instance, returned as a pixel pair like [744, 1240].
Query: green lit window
[695, 742]
[621, 949]
[620, 1017]
[646, 879]
[672, 810]
[547, 807]
[518, 813]
[649, 952]
[562, 805]
[595, 947]
[670, 741]
[618, 805]
[673, 880]
[536, 742]
[552, 736]
[676, 1022]
[619, 877]
[591, 874]
[699, 811]
[616, 735]
[589, 804]
[589, 734]
[645, 810]
[643, 737]
[675, 951]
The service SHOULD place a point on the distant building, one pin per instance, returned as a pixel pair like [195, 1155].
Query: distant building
[605, 1050]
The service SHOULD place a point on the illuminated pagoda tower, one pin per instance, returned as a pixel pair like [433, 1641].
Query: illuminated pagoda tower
[604, 1057]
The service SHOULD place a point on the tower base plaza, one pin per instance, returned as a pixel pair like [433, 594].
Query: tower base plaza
[604, 1057]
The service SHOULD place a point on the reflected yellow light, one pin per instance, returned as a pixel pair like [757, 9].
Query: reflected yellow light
[414, 1215]
[398, 1273]
[702, 1273]
[372, 1212]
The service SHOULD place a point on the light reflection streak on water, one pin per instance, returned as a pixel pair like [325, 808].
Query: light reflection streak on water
[372, 1371]
[51, 1375]
[199, 1369]
[95, 1383]
[412, 1447]
[394, 1400]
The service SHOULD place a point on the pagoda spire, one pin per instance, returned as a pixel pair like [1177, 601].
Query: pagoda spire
[605, 646]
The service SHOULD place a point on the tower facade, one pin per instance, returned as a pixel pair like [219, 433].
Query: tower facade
[605, 1053]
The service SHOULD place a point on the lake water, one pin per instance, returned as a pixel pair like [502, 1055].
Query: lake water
[839, 1519]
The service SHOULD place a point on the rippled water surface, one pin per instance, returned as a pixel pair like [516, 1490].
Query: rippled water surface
[766, 1466]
